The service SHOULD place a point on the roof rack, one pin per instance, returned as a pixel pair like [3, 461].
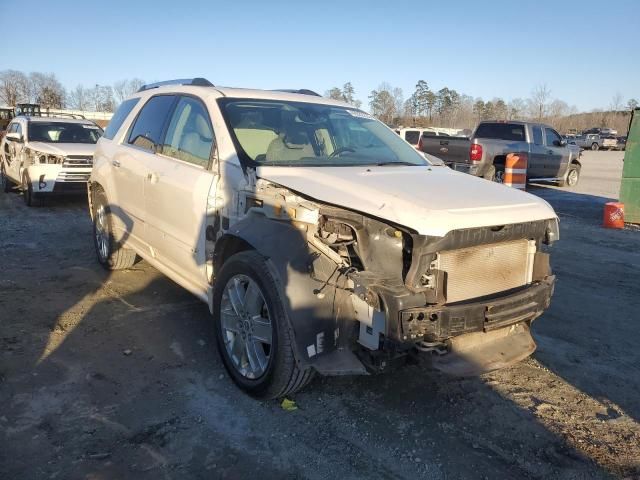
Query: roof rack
[301, 91]
[196, 82]
[75, 116]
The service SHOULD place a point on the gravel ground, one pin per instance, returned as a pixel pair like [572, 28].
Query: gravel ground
[106, 376]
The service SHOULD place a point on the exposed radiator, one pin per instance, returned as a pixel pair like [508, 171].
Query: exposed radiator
[486, 269]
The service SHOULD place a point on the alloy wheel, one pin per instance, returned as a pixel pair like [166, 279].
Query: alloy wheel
[102, 233]
[246, 326]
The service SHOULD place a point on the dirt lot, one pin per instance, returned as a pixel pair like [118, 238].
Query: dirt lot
[117, 376]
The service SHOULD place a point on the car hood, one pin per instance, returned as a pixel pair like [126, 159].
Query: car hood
[429, 200]
[63, 148]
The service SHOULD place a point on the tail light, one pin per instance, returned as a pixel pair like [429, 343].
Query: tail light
[420, 143]
[475, 153]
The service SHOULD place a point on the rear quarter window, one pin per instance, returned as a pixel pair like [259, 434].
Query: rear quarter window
[122, 112]
[501, 131]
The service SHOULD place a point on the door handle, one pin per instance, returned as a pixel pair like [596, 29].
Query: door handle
[153, 177]
[115, 163]
[550, 152]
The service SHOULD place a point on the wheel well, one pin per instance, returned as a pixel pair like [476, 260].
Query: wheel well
[576, 162]
[499, 160]
[227, 246]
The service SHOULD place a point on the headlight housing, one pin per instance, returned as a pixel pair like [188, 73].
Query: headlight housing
[46, 158]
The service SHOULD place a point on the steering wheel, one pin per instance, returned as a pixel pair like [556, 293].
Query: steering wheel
[341, 150]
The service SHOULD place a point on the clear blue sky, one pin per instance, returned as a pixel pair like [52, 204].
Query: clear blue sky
[585, 51]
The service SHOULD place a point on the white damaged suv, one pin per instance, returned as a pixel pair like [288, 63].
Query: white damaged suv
[321, 241]
[46, 156]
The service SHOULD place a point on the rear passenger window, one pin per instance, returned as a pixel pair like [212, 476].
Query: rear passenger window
[537, 135]
[412, 136]
[119, 117]
[189, 137]
[147, 129]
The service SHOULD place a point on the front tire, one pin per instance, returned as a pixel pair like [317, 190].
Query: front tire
[30, 198]
[573, 176]
[595, 147]
[111, 255]
[5, 184]
[252, 330]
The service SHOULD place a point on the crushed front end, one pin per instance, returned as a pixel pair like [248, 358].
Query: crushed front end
[415, 294]
[363, 294]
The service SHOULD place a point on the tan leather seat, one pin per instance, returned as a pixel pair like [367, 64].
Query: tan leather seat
[199, 139]
[292, 143]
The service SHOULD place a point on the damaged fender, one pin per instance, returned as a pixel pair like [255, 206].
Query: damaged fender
[307, 278]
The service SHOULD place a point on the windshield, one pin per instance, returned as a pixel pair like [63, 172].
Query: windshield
[273, 132]
[61, 132]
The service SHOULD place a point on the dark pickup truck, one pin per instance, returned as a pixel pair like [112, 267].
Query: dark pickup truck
[484, 154]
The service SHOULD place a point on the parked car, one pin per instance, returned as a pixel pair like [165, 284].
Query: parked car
[47, 156]
[600, 131]
[589, 141]
[321, 241]
[412, 135]
[609, 142]
[550, 158]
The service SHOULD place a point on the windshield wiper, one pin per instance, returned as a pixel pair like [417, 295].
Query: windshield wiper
[382, 164]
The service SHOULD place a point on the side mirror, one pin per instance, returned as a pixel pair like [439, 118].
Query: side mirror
[145, 142]
[557, 143]
[14, 137]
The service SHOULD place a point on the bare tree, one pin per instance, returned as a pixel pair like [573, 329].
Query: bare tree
[100, 98]
[45, 89]
[540, 97]
[78, 98]
[517, 108]
[616, 103]
[122, 89]
[632, 104]
[14, 87]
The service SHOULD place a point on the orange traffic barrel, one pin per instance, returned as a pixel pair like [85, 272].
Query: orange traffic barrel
[614, 215]
[515, 170]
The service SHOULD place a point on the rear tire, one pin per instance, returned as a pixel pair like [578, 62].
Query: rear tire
[490, 173]
[495, 173]
[111, 255]
[281, 374]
